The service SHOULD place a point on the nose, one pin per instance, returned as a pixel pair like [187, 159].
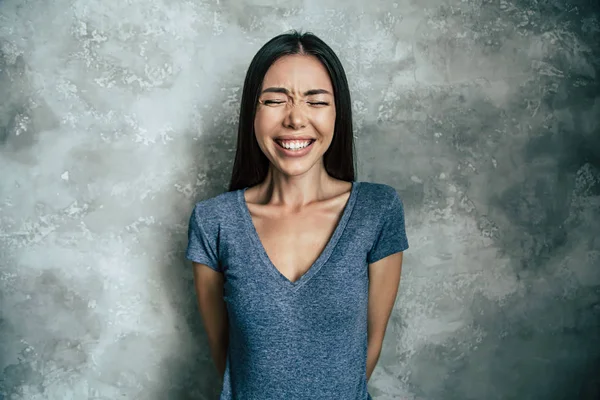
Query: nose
[296, 117]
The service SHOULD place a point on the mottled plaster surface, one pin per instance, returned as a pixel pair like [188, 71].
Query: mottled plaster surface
[115, 117]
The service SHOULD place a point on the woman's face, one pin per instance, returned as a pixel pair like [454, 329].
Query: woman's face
[296, 102]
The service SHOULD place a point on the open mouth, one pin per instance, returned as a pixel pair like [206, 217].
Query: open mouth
[310, 142]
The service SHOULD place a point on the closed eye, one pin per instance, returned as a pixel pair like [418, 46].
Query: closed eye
[280, 102]
[273, 102]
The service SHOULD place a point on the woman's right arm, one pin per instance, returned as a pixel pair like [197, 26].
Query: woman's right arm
[209, 289]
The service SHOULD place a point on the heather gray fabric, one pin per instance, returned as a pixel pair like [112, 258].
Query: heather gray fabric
[305, 339]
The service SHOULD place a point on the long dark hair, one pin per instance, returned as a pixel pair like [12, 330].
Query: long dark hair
[251, 165]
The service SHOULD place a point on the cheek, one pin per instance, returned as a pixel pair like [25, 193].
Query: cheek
[264, 121]
[325, 122]
[259, 124]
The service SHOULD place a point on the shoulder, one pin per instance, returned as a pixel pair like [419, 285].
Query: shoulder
[378, 195]
[216, 207]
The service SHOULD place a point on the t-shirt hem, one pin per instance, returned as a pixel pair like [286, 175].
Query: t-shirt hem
[205, 261]
[388, 253]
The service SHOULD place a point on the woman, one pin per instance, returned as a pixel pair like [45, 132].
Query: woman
[297, 266]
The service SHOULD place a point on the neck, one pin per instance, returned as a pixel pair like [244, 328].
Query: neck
[295, 192]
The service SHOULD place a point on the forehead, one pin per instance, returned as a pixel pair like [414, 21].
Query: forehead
[298, 73]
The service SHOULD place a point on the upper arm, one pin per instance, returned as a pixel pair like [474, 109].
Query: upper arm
[208, 282]
[384, 279]
[208, 274]
[209, 290]
[385, 266]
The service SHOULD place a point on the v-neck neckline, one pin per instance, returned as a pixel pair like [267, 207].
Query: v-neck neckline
[321, 259]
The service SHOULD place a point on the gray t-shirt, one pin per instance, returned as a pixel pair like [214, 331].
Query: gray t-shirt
[305, 339]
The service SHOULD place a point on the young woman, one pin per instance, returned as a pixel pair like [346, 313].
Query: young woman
[297, 266]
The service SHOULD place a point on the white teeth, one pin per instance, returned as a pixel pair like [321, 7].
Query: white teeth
[295, 145]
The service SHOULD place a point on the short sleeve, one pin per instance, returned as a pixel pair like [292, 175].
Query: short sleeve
[199, 248]
[391, 237]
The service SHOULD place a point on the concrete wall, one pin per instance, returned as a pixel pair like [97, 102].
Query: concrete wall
[117, 116]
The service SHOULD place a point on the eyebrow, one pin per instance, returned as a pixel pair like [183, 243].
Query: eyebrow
[285, 91]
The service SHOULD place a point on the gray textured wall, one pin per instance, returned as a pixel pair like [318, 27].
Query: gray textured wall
[116, 116]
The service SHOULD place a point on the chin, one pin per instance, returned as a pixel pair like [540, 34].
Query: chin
[295, 168]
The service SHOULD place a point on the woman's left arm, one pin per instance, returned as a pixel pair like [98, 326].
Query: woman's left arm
[384, 279]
